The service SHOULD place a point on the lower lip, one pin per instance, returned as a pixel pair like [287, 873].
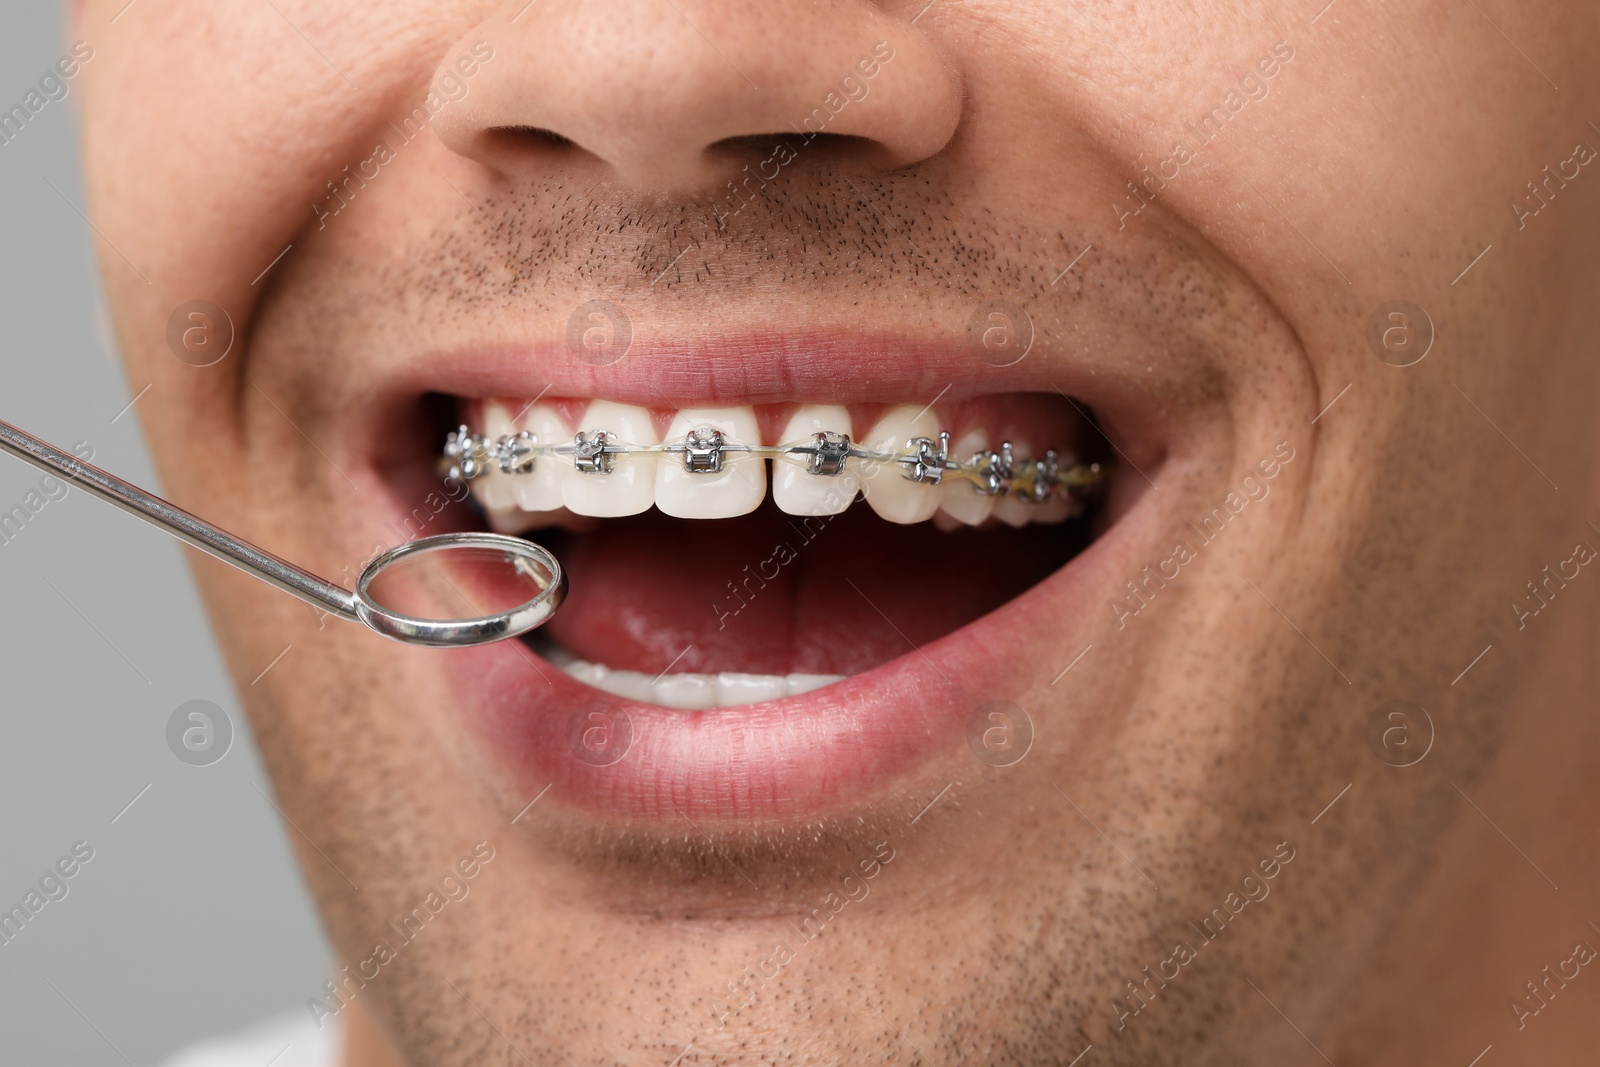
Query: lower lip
[779, 760]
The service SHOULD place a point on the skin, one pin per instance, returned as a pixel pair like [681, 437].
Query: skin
[1194, 740]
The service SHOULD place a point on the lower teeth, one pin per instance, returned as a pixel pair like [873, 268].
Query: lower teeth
[689, 692]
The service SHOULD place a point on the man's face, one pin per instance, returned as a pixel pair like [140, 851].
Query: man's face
[1073, 789]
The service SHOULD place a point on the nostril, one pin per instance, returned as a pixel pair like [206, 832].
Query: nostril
[831, 146]
[764, 141]
[516, 148]
[531, 136]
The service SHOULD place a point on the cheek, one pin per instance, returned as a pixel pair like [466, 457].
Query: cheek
[149, 129]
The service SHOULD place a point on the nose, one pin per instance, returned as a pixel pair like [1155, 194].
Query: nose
[666, 94]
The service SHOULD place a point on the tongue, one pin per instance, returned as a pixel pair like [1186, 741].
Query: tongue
[773, 594]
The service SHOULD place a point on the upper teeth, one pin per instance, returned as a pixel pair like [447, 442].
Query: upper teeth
[709, 466]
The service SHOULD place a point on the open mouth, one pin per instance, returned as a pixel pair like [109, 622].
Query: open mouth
[755, 633]
[722, 557]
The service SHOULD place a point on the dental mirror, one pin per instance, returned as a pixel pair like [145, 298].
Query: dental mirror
[445, 590]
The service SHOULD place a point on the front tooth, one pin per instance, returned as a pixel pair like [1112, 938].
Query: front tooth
[629, 487]
[795, 489]
[735, 689]
[959, 498]
[892, 495]
[540, 488]
[736, 490]
[494, 489]
[686, 692]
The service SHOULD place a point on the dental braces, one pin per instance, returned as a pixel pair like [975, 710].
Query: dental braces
[704, 450]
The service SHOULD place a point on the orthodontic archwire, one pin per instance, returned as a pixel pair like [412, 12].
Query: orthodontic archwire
[705, 450]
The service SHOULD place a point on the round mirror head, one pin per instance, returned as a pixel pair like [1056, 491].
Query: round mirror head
[460, 589]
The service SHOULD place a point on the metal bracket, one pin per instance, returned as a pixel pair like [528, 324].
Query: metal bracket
[703, 450]
[592, 451]
[928, 461]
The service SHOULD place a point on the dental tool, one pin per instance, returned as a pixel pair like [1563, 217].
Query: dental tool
[704, 450]
[534, 568]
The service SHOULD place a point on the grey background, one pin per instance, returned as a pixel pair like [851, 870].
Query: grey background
[191, 920]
